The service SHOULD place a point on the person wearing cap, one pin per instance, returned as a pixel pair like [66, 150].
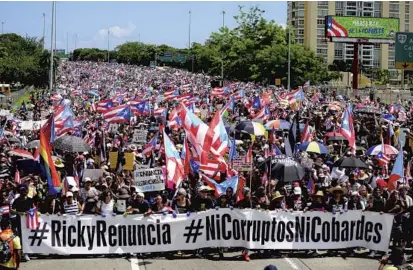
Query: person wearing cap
[181, 204]
[70, 205]
[355, 203]
[89, 197]
[296, 202]
[139, 205]
[202, 202]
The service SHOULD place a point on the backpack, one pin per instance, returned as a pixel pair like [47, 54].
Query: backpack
[6, 252]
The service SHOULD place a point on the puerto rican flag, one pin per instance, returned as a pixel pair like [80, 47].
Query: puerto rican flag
[160, 112]
[347, 128]
[63, 128]
[229, 106]
[263, 114]
[256, 104]
[294, 96]
[239, 94]
[221, 188]
[5, 210]
[140, 108]
[118, 114]
[56, 97]
[382, 158]
[62, 114]
[32, 220]
[220, 141]
[171, 94]
[217, 92]
[201, 131]
[185, 99]
[151, 145]
[248, 156]
[306, 136]
[104, 105]
[334, 29]
[174, 166]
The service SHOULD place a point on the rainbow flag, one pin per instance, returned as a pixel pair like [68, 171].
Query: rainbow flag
[47, 136]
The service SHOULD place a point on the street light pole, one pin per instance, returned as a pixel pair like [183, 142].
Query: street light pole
[2, 27]
[189, 42]
[75, 41]
[139, 38]
[108, 45]
[44, 29]
[289, 58]
[55, 25]
[51, 50]
[222, 57]
[67, 43]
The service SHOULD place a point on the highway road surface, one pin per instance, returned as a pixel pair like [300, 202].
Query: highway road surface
[231, 261]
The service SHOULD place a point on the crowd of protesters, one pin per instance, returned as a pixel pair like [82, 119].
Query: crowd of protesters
[324, 187]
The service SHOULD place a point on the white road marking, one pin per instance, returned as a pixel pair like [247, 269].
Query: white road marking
[291, 263]
[134, 264]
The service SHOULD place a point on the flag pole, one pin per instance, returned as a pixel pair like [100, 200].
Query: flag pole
[251, 168]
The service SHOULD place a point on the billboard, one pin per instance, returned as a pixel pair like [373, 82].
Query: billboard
[361, 29]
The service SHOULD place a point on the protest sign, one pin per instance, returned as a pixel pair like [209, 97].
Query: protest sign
[129, 158]
[149, 179]
[31, 125]
[139, 136]
[240, 165]
[113, 128]
[251, 229]
[94, 174]
[113, 160]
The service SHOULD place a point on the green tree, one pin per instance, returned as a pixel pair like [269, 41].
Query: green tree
[255, 50]
[21, 60]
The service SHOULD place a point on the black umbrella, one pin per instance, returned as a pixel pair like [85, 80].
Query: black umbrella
[350, 162]
[287, 170]
[71, 144]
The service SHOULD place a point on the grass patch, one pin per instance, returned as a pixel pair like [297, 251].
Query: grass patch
[25, 97]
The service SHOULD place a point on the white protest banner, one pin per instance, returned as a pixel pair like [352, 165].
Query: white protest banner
[149, 179]
[250, 229]
[139, 136]
[240, 165]
[31, 125]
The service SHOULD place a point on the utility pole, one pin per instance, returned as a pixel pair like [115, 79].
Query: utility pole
[75, 41]
[222, 56]
[289, 58]
[44, 29]
[55, 26]
[2, 27]
[139, 38]
[67, 43]
[51, 50]
[189, 42]
[108, 45]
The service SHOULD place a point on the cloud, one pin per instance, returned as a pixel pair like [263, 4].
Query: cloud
[118, 31]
